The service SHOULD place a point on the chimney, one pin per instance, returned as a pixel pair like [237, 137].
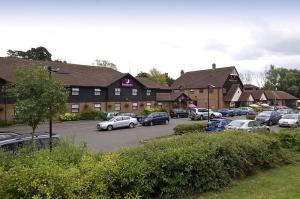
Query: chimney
[181, 72]
[214, 66]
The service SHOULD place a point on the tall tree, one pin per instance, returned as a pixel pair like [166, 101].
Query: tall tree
[34, 92]
[39, 53]
[143, 75]
[104, 63]
[157, 76]
[283, 79]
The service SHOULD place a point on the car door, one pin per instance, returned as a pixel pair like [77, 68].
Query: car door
[251, 126]
[125, 121]
[118, 122]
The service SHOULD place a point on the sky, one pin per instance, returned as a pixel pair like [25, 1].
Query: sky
[170, 35]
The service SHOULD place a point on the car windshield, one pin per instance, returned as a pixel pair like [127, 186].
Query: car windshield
[236, 123]
[112, 119]
[290, 116]
[213, 124]
[264, 114]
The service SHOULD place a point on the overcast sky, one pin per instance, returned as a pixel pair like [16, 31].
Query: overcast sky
[171, 35]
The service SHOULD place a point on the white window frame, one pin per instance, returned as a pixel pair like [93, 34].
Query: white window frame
[148, 105]
[117, 106]
[75, 91]
[97, 107]
[134, 91]
[134, 106]
[75, 108]
[148, 92]
[117, 91]
[97, 91]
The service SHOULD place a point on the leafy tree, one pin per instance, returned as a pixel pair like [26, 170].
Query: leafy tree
[105, 63]
[34, 92]
[143, 75]
[39, 53]
[157, 76]
[284, 79]
[169, 79]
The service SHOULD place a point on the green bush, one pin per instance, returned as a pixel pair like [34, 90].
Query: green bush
[161, 168]
[147, 111]
[91, 114]
[290, 138]
[69, 117]
[187, 128]
[4, 123]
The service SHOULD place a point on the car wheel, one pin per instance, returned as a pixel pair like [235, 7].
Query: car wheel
[151, 123]
[201, 117]
[167, 122]
[110, 127]
[212, 116]
[131, 125]
[227, 115]
[178, 116]
[270, 123]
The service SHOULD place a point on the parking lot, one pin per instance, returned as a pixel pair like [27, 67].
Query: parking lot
[85, 131]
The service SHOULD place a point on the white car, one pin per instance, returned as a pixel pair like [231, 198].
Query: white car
[290, 120]
[214, 114]
[247, 125]
[117, 122]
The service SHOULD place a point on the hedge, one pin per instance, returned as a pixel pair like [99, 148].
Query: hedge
[187, 128]
[162, 168]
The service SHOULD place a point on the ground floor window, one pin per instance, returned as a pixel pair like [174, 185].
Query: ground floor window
[134, 106]
[148, 105]
[117, 106]
[97, 107]
[159, 105]
[75, 108]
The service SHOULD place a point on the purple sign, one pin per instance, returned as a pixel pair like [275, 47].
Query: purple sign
[127, 82]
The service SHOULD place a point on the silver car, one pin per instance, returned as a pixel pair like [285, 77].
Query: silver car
[117, 122]
[246, 125]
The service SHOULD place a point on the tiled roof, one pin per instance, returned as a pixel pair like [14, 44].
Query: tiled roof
[78, 75]
[231, 92]
[201, 78]
[280, 95]
[245, 96]
[250, 86]
[152, 84]
[169, 96]
[257, 94]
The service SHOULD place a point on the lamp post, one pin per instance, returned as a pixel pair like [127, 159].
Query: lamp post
[59, 71]
[208, 87]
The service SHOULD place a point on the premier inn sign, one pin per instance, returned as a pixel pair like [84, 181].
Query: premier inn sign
[127, 82]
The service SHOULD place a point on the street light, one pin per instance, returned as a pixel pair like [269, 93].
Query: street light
[59, 71]
[208, 87]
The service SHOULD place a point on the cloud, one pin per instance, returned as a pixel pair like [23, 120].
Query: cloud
[214, 45]
[265, 41]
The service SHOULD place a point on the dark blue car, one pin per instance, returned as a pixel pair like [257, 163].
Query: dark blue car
[237, 111]
[226, 112]
[217, 124]
[156, 118]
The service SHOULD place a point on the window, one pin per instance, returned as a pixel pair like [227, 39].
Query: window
[148, 92]
[97, 91]
[200, 90]
[97, 107]
[75, 91]
[134, 91]
[75, 108]
[134, 106]
[159, 105]
[117, 91]
[148, 105]
[117, 106]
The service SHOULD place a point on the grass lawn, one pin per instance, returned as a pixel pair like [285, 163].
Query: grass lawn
[279, 183]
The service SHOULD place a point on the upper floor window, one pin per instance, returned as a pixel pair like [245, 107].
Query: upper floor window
[117, 91]
[97, 91]
[75, 91]
[148, 92]
[134, 91]
[97, 107]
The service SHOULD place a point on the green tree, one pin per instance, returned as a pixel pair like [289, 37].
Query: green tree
[143, 75]
[34, 92]
[39, 53]
[157, 76]
[105, 63]
[284, 79]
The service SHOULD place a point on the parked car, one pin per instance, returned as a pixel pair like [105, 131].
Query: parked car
[247, 125]
[133, 115]
[268, 117]
[226, 112]
[290, 120]
[109, 115]
[10, 141]
[285, 111]
[251, 115]
[237, 111]
[156, 118]
[199, 113]
[179, 112]
[217, 124]
[214, 114]
[246, 110]
[117, 122]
